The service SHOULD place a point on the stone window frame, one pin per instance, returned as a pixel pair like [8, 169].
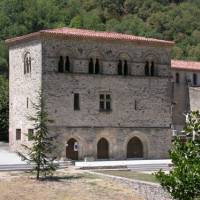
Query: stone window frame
[194, 79]
[104, 98]
[27, 62]
[18, 134]
[125, 58]
[76, 101]
[177, 77]
[64, 60]
[95, 56]
[66, 52]
[27, 102]
[150, 64]
[150, 69]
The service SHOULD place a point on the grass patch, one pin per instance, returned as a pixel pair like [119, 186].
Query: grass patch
[131, 175]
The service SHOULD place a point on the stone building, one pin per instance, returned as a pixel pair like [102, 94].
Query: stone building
[186, 91]
[108, 94]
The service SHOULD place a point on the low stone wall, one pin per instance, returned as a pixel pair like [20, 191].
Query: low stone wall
[147, 190]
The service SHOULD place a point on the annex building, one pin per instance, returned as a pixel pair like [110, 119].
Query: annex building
[186, 91]
[109, 94]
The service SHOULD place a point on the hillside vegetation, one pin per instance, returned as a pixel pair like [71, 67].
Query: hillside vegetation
[176, 20]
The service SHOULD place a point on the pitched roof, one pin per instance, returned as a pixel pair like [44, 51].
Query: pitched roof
[89, 34]
[185, 65]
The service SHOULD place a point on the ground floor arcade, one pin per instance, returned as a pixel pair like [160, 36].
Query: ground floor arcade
[113, 143]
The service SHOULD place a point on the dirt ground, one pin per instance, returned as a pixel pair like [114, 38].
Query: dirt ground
[68, 184]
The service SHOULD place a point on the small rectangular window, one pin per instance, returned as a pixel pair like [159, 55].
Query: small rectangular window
[104, 102]
[18, 134]
[177, 78]
[76, 101]
[135, 105]
[30, 134]
[194, 79]
[27, 102]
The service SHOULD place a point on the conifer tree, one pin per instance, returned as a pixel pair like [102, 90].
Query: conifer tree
[40, 152]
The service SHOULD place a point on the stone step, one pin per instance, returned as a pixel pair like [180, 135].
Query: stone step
[25, 167]
[149, 167]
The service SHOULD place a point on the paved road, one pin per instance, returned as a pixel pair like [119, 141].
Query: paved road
[7, 157]
[10, 161]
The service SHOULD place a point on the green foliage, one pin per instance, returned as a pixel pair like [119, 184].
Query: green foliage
[176, 20]
[41, 151]
[183, 181]
[4, 105]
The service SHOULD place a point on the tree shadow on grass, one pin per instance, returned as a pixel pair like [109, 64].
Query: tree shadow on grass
[61, 178]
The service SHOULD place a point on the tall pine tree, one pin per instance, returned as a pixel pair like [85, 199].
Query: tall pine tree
[40, 152]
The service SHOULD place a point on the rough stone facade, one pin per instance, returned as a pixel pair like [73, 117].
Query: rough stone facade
[185, 95]
[21, 87]
[140, 105]
[194, 96]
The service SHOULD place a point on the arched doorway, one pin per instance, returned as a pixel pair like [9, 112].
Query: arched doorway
[135, 148]
[72, 149]
[103, 149]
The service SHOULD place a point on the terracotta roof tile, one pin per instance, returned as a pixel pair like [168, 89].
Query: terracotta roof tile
[185, 65]
[82, 33]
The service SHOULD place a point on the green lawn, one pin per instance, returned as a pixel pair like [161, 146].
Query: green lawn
[131, 175]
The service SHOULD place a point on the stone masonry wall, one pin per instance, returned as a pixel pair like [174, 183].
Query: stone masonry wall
[137, 101]
[156, 141]
[194, 94]
[141, 106]
[185, 96]
[21, 87]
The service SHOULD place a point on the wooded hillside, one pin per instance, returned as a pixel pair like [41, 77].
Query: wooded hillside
[177, 20]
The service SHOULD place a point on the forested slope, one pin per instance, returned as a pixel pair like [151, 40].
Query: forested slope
[177, 20]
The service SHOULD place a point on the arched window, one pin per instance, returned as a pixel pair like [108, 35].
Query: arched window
[146, 68]
[61, 65]
[125, 68]
[94, 68]
[152, 69]
[97, 66]
[67, 64]
[91, 66]
[120, 67]
[64, 64]
[27, 63]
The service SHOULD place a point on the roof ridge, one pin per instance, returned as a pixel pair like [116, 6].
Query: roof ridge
[92, 34]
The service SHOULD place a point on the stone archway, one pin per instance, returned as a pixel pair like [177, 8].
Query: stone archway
[102, 149]
[135, 148]
[72, 149]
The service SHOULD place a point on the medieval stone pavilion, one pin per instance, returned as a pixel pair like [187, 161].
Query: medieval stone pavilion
[109, 94]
